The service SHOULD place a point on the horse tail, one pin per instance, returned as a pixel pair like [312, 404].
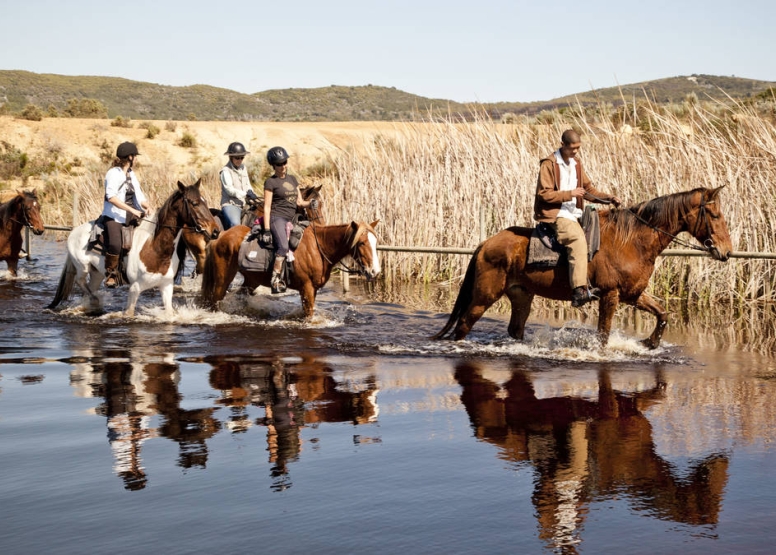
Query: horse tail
[65, 286]
[465, 295]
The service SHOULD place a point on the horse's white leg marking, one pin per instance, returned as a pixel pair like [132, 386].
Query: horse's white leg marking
[166, 291]
[132, 296]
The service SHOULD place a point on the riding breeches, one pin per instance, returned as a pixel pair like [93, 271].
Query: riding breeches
[570, 234]
[232, 215]
[279, 235]
[112, 240]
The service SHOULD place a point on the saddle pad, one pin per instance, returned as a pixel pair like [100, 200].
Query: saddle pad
[539, 254]
[253, 257]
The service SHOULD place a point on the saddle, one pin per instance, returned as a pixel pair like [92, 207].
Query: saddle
[97, 244]
[544, 249]
[258, 256]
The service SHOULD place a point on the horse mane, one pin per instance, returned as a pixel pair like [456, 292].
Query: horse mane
[8, 202]
[166, 209]
[664, 212]
[352, 240]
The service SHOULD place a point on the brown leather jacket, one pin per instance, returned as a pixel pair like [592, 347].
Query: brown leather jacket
[549, 197]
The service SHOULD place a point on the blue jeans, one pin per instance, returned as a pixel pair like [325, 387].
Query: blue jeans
[232, 214]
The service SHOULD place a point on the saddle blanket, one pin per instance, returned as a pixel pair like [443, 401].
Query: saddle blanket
[545, 251]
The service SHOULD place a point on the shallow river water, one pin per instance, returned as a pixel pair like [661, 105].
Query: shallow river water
[248, 430]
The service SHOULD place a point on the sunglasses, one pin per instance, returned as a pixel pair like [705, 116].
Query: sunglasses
[281, 164]
[237, 157]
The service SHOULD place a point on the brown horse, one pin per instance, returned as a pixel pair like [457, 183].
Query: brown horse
[320, 249]
[197, 243]
[18, 210]
[631, 240]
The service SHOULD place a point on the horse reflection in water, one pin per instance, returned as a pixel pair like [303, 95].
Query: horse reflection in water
[586, 451]
[131, 395]
[293, 397]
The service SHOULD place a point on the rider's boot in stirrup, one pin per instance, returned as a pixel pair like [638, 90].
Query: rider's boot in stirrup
[111, 270]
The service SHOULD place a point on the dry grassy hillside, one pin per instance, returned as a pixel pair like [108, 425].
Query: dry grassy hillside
[79, 143]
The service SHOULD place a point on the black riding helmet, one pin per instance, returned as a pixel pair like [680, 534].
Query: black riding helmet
[125, 150]
[236, 149]
[277, 155]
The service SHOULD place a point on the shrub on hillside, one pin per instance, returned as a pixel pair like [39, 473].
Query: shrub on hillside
[187, 140]
[171, 126]
[32, 113]
[151, 129]
[121, 122]
[86, 108]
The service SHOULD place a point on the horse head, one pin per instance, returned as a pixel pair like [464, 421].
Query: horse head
[311, 193]
[708, 225]
[195, 212]
[363, 248]
[30, 211]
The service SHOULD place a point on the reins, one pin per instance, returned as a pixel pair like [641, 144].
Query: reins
[682, 242]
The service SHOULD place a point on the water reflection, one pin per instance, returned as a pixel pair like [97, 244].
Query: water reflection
[586, 451]
[293, 396]
[143, 401]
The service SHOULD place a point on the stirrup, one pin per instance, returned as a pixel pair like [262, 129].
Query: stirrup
[277, 285]
[588, 294]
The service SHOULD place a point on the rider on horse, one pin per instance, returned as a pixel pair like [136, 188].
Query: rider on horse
[281, 197]
[124, 204]
[236, 187]
[560, 190]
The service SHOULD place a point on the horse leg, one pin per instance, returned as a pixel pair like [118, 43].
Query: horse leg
[650, 304]
[166, 291]
[13, 264]
[521, 301]
[483, 298]
[307, 293]
[132, 296]
[607, 306]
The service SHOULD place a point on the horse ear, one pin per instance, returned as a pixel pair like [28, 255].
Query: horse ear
[198, 182]
[715, 192]
[374, 223]
[181, 187]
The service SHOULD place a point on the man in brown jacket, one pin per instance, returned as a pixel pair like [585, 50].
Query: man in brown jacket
[560, 190]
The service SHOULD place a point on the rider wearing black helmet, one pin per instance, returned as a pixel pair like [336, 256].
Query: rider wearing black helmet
[124, 204]
[281, 197]
[235, 185]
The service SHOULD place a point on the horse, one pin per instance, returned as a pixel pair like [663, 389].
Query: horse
[150, 260]
[196, 243]
[18, 209]
[319, 250]
[631, 241]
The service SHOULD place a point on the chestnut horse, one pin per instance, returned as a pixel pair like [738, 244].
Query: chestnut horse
[197, 244]
[19, 209]
[631, 240]
[151, 262]
[320, 249]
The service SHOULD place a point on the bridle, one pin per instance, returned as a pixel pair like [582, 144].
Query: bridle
[703, 217]
[354, 253]
[25, 211]
[188, 213]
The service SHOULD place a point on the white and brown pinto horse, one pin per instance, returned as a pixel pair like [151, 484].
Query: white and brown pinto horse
[150, 262]
[321, 248]
[19, 209]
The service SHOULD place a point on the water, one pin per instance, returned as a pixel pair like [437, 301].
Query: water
[249, 429]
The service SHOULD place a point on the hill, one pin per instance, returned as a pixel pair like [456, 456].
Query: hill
[140, 100]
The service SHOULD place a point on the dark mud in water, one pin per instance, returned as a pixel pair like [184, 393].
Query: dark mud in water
[251, 430]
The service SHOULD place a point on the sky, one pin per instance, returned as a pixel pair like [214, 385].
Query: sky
[473, 51]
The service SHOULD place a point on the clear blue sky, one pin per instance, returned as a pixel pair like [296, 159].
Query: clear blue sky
[478, 50]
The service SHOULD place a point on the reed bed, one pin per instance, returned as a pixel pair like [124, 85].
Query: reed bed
[448, 183]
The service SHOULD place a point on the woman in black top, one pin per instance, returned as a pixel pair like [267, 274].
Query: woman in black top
[281, 198]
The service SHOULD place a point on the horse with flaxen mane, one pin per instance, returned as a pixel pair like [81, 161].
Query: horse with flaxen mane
[197, 244]
[319, 250]
[150, 262]
[631, 241]
[19, 209]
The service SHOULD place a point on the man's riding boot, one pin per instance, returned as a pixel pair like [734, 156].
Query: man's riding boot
[276, 283]
[111, 270]
[582, 295]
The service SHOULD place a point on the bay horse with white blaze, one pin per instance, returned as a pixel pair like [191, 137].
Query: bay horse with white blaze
[19, 209]
[631, 241]
[320, 249]
[197, 243]
[150, 262]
